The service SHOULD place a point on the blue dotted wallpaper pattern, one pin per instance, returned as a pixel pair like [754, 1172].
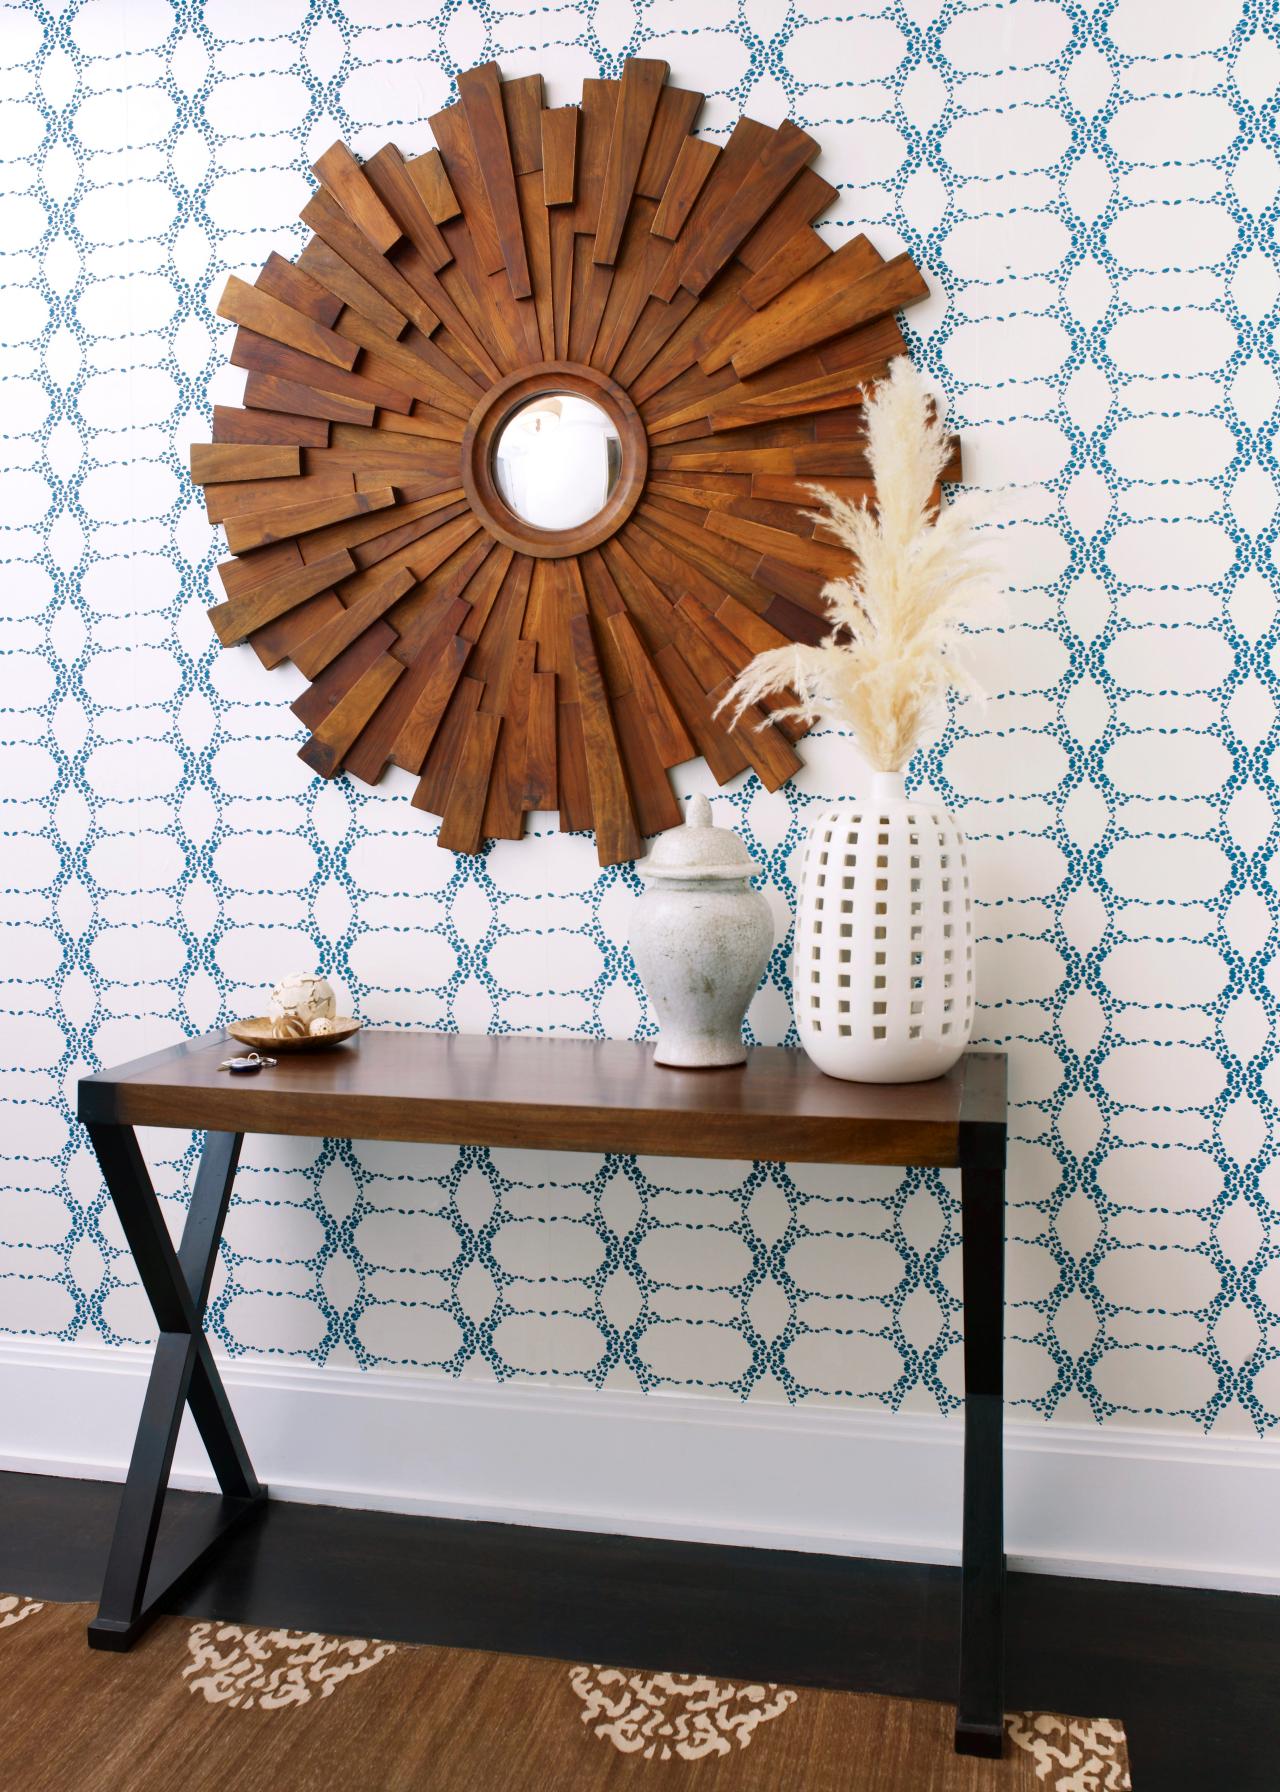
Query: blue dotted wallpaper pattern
[1091, 190]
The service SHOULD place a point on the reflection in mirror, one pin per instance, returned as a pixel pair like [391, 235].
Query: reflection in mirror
[556, 460]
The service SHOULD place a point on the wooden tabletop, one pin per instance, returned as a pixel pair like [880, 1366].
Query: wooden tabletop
[570, 1094]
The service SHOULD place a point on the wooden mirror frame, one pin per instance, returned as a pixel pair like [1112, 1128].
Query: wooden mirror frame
[499, 405]
[604, 249]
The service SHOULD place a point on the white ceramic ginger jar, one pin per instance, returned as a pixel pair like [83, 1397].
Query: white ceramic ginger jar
[700, 939]
[882, 976]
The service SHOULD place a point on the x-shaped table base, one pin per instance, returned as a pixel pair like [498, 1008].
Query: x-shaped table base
[183, 1373]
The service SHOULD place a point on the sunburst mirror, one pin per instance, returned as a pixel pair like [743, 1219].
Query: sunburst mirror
[521, 473]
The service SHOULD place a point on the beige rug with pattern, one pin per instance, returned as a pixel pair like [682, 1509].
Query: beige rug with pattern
[208, 1707]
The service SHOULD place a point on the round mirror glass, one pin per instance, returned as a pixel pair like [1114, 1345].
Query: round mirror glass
[557, 460]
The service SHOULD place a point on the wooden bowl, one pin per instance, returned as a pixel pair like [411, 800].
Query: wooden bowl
[257, 1032]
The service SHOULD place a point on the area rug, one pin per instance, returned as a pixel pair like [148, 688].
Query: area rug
[203, 1707]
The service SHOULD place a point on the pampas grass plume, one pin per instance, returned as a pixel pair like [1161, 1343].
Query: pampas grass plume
[918, 574]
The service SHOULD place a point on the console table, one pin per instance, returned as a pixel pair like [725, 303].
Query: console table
[518, 1090]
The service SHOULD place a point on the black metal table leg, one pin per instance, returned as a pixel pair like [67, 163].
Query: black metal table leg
[980, 1706]
[182, 1373]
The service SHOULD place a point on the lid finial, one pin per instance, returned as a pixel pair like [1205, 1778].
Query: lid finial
[699, 815]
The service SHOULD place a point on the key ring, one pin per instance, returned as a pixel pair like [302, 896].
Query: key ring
[249, 1065]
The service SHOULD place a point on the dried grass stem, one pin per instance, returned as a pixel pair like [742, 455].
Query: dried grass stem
[918, 574]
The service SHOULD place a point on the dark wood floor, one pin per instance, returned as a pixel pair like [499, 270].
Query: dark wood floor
[1194, 1675]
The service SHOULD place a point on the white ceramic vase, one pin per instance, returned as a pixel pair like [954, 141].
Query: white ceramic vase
[882, 977]
[701, 938]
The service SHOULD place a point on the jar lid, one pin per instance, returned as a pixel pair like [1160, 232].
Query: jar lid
[697, 850]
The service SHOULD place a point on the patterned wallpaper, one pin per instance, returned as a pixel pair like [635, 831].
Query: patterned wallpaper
[1092, 191]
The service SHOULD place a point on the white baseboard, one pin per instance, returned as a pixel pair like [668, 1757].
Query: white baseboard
[1114, 1503]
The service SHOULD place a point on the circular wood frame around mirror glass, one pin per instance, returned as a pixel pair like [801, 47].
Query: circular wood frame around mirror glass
[497, 408]
[602, 249]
